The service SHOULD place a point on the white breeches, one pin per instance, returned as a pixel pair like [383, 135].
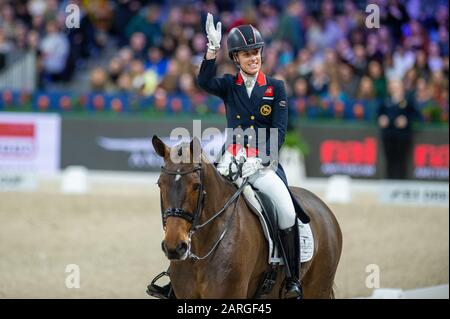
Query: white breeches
[269, 183]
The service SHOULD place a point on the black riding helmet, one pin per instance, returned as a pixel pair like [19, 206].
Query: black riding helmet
[244, 38]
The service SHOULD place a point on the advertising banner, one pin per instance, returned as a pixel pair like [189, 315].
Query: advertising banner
[354, 150]
[342, 151]
[430, 155]
[30, 142]
[125, 144]
[357, 151]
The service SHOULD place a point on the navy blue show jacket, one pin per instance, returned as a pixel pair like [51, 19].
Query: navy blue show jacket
[266, 108]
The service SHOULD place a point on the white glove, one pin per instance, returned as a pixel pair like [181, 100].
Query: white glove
[251, 166]
[214, 35]
[224, 164]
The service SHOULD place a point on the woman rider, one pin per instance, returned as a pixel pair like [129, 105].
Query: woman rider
[258, 102]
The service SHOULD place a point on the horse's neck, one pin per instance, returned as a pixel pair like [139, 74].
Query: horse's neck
[218, 192]
[195, 276]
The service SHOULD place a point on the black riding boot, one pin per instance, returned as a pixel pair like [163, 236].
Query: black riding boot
[290, 242]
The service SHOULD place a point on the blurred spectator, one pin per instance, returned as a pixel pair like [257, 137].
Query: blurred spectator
[8, 22]
[99, 80]
[137, 75]
[348, 80]
[366, 90]
[376, 73]
[6, 47]
[123, 12]
[319, 80]
[156, 61]
[125, 56]
[414, 36]
[331, 62]
[157, 46]
[148, 23]
[334, 102]
[55, 49]
[428, 108]
[114, 70]
[396, 16]
[100, 13]
[268, 21]
[439, 86]
[183, 56]
[421, 65]
[402, 60]
[409, 81]
[300, 88]
[291, 28]
[395, 116]
[33, 40]
[170, 81]
[36, 7]
[373, 50]
[124, 83]
[335, 93]
[386, 43]
[443, 40]
[359, 61]
[198, 45]
[187, 85]
[138, 44]
[435, 62]
[304, 62]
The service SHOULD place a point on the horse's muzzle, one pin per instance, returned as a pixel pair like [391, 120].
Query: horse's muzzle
[179, 253]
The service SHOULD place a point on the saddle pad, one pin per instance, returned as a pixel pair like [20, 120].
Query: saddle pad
[306, 235]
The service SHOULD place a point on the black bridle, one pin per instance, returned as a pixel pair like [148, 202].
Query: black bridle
[194, 218]
[179, 212]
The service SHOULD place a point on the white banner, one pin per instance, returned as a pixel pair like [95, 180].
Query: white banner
[30, 142]
[414, 193]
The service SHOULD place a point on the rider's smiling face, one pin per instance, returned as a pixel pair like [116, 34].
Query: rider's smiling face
[250, 61]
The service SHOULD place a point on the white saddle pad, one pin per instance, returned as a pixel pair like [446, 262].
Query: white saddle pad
[306, 235]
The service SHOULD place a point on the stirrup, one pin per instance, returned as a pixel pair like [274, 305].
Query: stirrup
[161, 292]
[294, 295]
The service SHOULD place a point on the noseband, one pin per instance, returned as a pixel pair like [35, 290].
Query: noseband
[193, 219]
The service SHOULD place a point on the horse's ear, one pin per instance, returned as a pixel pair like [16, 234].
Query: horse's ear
[196, 150]
[159, 146]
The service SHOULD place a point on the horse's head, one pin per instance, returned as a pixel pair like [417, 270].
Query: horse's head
[181, 187]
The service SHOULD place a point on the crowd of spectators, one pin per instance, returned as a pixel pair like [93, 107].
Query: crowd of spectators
[324, 50]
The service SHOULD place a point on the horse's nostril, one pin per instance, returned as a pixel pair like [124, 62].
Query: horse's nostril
[163, 246]
[182, 247]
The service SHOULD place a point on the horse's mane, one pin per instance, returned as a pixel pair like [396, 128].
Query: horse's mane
[205, 160]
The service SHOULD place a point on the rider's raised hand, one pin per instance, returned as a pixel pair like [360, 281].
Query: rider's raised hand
[213, 34]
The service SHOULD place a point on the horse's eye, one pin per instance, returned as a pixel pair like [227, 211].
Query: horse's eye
[196, 186]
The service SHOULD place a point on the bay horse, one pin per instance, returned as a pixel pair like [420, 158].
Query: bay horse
[229, 255]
